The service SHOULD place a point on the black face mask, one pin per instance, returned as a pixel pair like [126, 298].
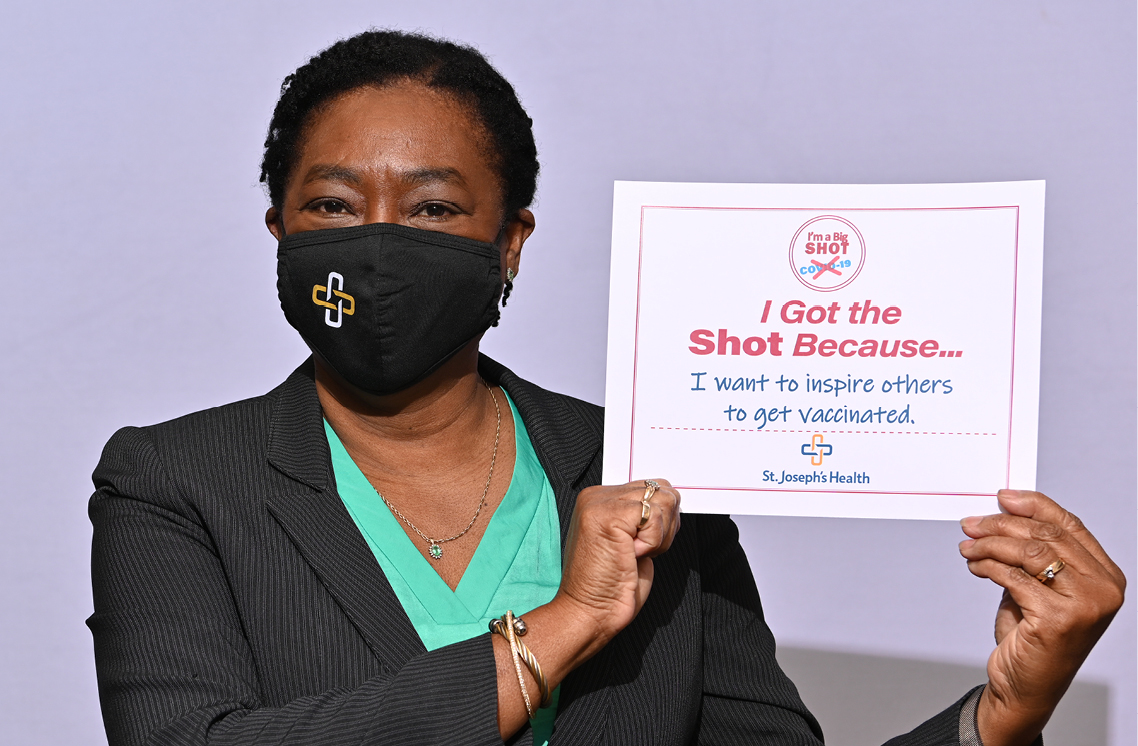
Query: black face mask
[385, 305]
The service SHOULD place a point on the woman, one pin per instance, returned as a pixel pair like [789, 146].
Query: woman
[319, 565]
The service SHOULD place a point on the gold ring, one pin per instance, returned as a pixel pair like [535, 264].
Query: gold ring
[645, 513]
[1051, 571]
[650, 487]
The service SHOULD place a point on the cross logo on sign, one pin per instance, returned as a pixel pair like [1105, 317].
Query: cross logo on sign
[334, 288]
[816, 449]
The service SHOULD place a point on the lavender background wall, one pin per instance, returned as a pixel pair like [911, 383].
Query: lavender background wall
[139, 279]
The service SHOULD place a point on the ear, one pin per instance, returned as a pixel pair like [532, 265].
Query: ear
[514, 234]
[274, 223]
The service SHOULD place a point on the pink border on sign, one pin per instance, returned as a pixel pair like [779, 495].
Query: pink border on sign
[636, 337]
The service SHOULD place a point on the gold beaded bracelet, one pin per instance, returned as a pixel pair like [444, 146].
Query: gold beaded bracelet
[511, 628]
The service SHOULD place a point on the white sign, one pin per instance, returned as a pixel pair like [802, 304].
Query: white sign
[826, 350]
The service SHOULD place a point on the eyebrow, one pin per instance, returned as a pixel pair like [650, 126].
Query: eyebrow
[333, 173]
[351, 176]
[427, 175]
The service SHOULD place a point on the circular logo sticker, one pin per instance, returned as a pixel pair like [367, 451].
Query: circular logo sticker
[827, 253]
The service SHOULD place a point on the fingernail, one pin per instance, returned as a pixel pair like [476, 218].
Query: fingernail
[966, 543]
[971, 521]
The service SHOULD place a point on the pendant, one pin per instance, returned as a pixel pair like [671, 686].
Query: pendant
[436, 551]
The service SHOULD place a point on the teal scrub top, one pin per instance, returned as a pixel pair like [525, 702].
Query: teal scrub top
[517, 564]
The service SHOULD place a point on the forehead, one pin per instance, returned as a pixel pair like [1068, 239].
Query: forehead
[402, 126]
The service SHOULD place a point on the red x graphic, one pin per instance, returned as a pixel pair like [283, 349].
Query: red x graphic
[825, 268]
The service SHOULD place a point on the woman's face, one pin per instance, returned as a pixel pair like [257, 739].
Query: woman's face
[405, 154]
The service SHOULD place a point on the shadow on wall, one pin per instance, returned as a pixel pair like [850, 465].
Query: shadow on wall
[864, 700]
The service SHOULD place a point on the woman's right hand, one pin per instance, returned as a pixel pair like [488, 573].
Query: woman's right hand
[608, 556]
[605, 580]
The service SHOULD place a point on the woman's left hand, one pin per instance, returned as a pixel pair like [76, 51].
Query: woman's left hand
[1044, 631]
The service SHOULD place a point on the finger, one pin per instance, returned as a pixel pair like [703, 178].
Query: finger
[1019, 527]
[1028, 529]
[645, 573]
[1027, 592]
[627, 501]
[655, 537]
[671, 517]
[648, 533]
[1033, 556]
[1040, 507]
[1082, 573]
[663, 513]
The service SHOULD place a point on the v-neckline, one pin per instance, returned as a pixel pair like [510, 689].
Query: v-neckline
[492, 559]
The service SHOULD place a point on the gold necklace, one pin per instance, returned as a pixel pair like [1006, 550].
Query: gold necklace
[436, 549]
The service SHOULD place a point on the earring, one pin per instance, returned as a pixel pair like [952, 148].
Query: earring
[509, 285]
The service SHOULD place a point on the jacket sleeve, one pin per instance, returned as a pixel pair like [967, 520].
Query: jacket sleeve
[746, 696]
[175, 667]
[747, 699]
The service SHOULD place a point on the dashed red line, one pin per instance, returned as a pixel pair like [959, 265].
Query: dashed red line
[844, 432]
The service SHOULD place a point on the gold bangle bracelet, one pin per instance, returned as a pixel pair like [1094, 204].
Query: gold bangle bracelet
[511, 627]
[507, 631]
[535, 669]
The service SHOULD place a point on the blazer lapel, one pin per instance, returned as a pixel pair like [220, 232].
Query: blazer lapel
[319, 525]
[567, 435]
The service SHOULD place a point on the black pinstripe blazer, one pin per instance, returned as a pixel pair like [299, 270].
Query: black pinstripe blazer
[237, 603]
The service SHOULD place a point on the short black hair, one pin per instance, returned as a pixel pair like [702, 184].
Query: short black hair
[380, 57]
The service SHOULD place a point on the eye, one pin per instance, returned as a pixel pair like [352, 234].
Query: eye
[329, 206]
[435, 210]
